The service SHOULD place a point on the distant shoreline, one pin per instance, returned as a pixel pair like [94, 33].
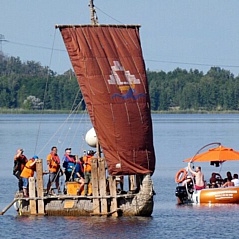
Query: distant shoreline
[23, 111]
[196, 112]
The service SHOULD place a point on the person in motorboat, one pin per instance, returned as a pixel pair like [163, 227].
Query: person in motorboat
[187, 181]
[235, 179]
[199, 177]
[215, 180]
[229, 175]
[229, 182]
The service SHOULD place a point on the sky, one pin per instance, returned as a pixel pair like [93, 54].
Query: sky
[189, 34]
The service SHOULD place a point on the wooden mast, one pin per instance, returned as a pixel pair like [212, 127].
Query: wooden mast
[93, 16]
[100, 206]
[98, 164]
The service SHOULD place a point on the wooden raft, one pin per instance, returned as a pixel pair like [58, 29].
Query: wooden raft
[99, 196]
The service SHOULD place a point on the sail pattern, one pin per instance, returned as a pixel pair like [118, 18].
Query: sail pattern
[109, 65]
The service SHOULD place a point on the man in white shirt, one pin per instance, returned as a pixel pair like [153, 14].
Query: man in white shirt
[235, 179]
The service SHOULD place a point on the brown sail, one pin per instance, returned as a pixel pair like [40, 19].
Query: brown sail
[110, 70]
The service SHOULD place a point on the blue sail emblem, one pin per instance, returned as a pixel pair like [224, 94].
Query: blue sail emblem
[127, 87]
[131, 93]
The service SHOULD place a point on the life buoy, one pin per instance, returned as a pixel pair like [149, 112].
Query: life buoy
[181, 175]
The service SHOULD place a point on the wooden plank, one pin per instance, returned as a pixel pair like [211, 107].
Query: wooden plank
[69, 204]
[102, 185]
[40, 192]
[8, 206]
[32, 194]
[112, 186]
[95, 185]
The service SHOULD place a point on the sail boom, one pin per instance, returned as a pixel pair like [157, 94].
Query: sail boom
[101, 25]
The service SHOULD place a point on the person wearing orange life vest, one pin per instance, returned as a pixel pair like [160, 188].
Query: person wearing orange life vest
[87, 169]
[28, 172]
[53, 162]
[19, 162]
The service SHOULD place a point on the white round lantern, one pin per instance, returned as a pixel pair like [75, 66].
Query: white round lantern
[91, 138]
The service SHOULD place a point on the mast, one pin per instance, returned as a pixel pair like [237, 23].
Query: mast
[93, 16]
[94, 21]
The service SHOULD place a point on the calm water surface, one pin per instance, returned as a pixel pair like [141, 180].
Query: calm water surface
[176, 137]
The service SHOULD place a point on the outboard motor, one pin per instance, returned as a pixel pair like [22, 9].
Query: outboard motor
[181, 193]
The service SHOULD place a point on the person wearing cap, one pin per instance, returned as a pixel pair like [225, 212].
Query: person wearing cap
[53, 162]
[68, 164]
[19, 162]
[28, 172]
[87, 169]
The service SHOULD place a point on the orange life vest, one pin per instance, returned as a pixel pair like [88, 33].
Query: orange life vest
[87, 163]
[28, 170]
[53, 162]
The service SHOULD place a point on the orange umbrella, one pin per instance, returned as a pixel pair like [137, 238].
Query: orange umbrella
[219, 153]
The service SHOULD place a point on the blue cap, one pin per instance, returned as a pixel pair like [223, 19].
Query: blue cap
[35, 157]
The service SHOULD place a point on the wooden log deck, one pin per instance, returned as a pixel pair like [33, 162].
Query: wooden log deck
[103, 202]
[68, 201]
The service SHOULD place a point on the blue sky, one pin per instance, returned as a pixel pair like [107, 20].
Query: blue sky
[189, 34]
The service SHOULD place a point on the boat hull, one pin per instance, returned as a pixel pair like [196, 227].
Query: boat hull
[208, 195]
[128, 204]
[218, 195]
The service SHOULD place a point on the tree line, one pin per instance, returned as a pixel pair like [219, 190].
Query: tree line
[217, 90]
[28, 85]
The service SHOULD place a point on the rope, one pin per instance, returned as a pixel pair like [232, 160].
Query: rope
[57, 131]
[45, 93]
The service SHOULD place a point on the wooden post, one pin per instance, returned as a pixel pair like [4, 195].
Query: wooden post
[113, 206]
[32, 194]
[102, 185]
[132, 183]
[95, 185]
[40, 193]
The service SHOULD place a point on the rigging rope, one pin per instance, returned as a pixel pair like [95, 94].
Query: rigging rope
[72, 115]
[45, 93]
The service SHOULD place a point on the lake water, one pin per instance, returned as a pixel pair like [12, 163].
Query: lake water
[176, 137]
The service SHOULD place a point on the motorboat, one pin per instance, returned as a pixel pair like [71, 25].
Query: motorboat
[212, 193]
